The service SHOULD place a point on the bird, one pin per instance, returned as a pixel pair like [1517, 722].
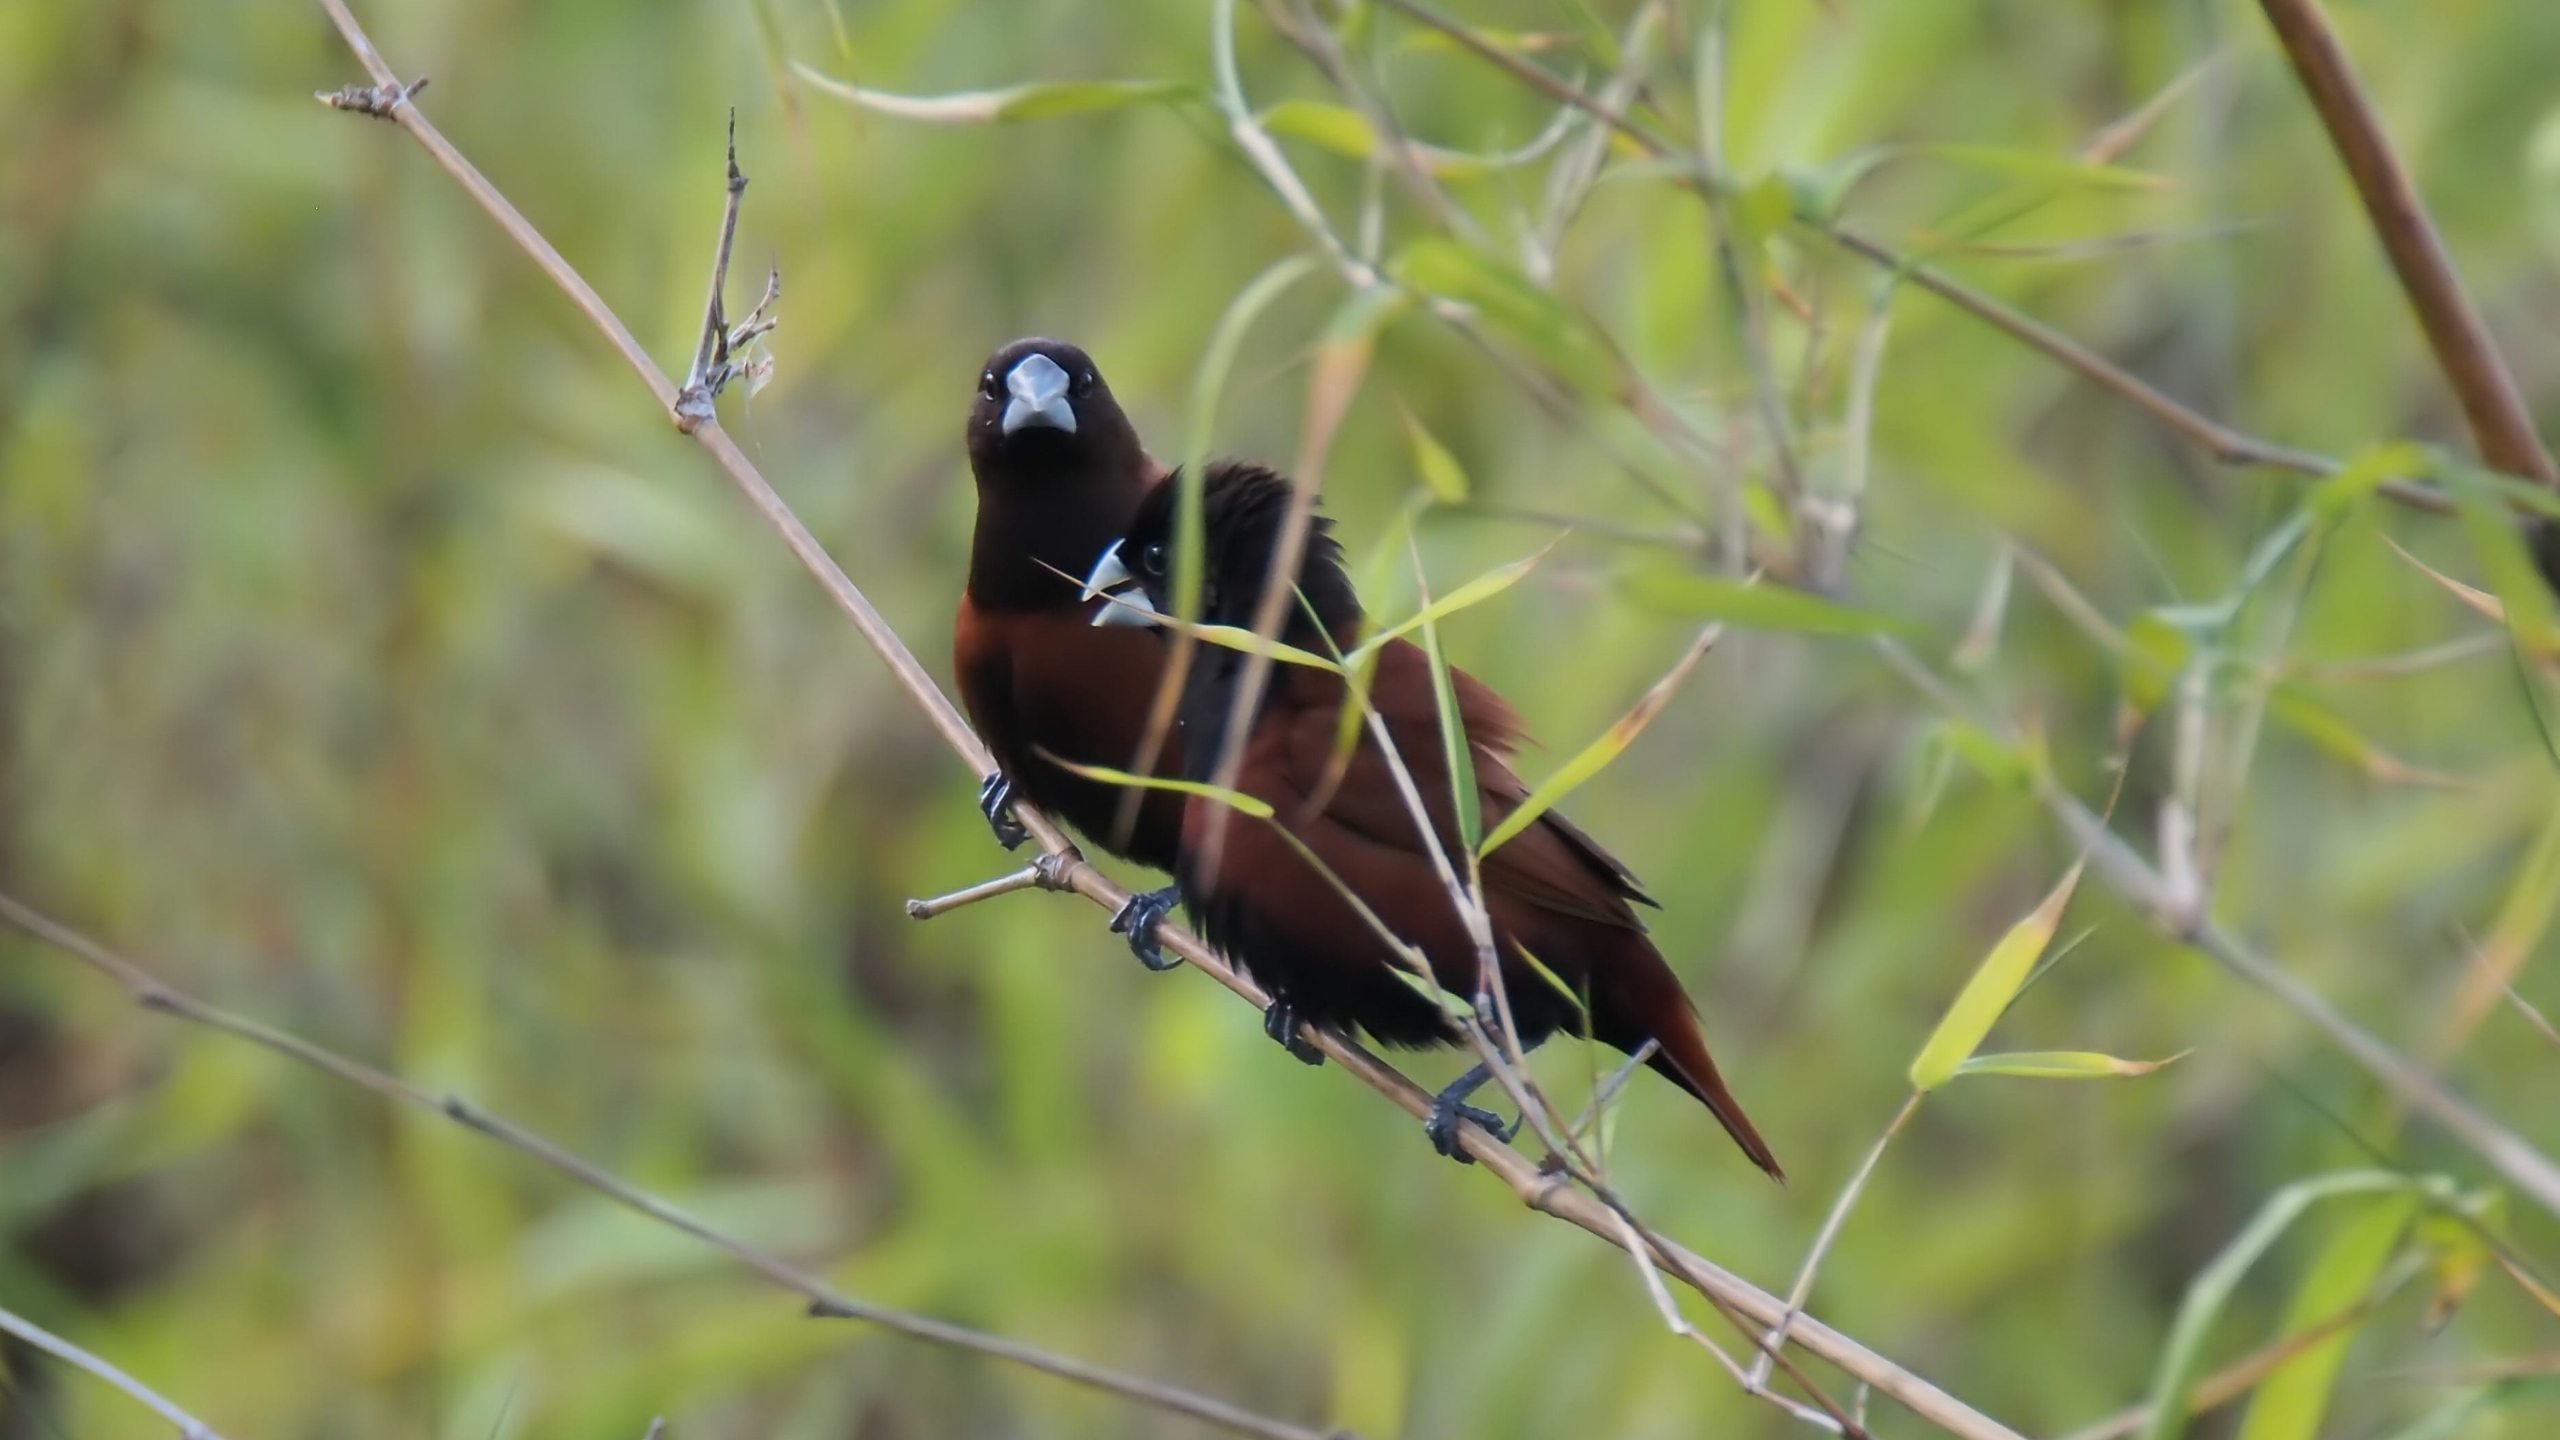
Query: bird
[1060, 471]
[1551, 892]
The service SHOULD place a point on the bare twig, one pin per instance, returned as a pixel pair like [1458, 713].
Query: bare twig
[1026, 878]
[189, 1427]
[2501, 425]
[1544, 1193]
[153, 993]
[1830, 1232]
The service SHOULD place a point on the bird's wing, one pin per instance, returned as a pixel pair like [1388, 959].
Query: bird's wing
[1552, 864]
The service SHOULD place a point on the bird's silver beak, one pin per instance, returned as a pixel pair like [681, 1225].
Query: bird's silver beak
[1112, 584]
[1039, 390]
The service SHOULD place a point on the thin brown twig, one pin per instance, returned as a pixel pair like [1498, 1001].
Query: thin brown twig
[2494, 408]
[2235, 1379]
[189, 1427]
[1830, 1232]
[154, 993]
[1547, 1195]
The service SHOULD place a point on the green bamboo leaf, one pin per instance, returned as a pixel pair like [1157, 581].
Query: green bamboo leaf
[1754, 607]
[1235, 800]
[1346, 132]
[1517, 306]
[1341, 363]
[2296, 710]
[2290, 1403]
[1217, 362]
[1989, 992]
[1994, 759]
[2526, 601]
[1442, 475]
[2063, 1065]
[1475, 592]
[2174, 1379]
[2155, 653]
[2336, 497]
[1454, 748]
[1597, 755]
[1041, 100]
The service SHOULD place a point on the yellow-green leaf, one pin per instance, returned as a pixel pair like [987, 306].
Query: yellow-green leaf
[1757, 607]
[1994, 984]
[1039, 101]
[1235, 800]
[2532, 617]
[2325, 728]
[2290, 1403]
[2063, 1065]
[2155, 653]
[1512, 303]
[1596, 756]
[1441, 473]
[1475, 592]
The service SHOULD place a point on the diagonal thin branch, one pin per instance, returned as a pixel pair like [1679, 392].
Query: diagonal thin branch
[189, 1427]
[2500, 423]
[825, 1301]
[1549, 1195]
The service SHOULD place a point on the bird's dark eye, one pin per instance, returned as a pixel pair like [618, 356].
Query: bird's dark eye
[987, 385]
[1151, 559]
[1084, 384]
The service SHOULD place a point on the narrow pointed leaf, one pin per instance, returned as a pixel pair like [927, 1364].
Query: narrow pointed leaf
[1441, 473]
[1038, 101]
[1475, 592]
[1597, 755]
[2063, 1065]
[1235, 800]
[2290, 1403]
[1989, 992]
[2207, 1296]
[1453, 731]
[1512, 303]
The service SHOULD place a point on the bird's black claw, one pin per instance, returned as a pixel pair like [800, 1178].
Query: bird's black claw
[1450, 1106]
[1138, 920]
[995, 801]
[1280, 1022]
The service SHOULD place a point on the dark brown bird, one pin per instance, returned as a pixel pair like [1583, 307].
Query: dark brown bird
[1060, 473]
[1551, 891]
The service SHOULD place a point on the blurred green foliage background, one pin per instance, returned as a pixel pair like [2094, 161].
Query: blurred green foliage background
[376, 660]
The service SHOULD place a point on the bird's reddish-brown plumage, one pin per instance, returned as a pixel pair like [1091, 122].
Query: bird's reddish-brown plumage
[1551, 891]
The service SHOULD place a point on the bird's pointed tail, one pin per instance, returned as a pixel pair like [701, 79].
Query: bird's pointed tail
[1684, 1060]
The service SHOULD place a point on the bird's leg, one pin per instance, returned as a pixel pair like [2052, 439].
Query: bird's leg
[995, 801]
[1280, 1022]
[1450, 1106]
[1138, 920]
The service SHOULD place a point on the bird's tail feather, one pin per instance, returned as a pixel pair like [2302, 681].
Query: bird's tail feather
[1683, 1059]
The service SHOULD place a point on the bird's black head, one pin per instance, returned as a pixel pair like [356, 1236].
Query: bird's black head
[1043, 415]
[1244, 510]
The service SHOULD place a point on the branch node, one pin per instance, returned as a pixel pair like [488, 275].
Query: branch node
[1057, 870]
[377, 101]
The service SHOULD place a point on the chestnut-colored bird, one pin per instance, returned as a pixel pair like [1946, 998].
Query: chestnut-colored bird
[1550, 891]
[1060, 473]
